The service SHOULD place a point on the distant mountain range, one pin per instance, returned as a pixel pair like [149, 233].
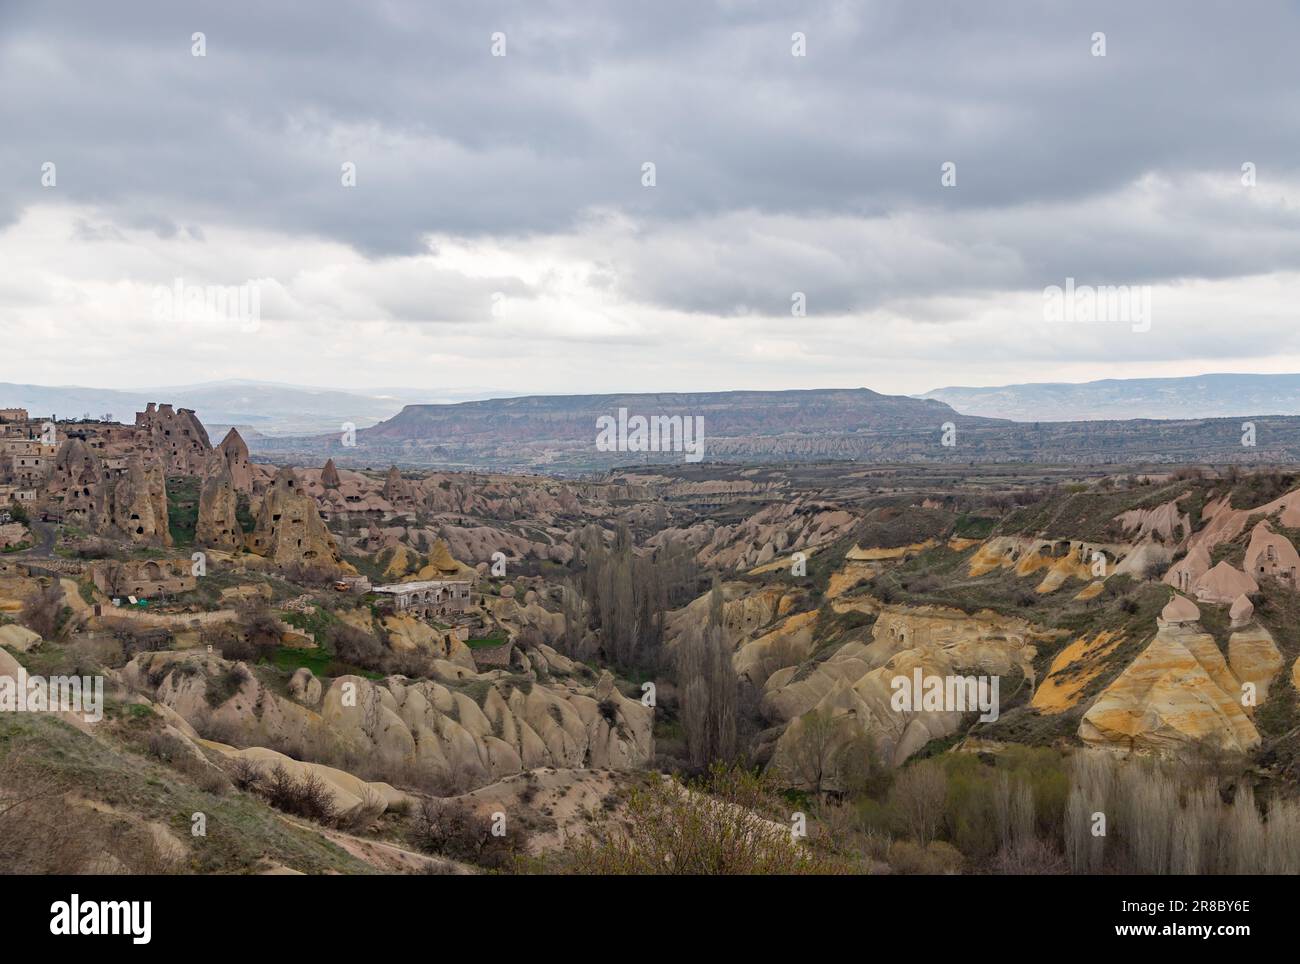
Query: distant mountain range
[258, 408]
[1200, 420]
[1197, 396]
[562, 434]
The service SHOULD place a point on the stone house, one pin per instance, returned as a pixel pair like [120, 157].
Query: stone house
[431, 598]
[144, 578]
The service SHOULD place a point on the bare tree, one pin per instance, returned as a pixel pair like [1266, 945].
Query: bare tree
[814, 745]
[918, 797]
[42, 611]
[709, 689]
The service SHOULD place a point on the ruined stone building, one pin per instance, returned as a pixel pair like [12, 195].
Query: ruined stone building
[148, 578]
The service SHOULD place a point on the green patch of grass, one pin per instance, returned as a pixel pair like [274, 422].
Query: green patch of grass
[183, 509]
[973, 527]
[319, 660]
[486, 642]
[316, 623]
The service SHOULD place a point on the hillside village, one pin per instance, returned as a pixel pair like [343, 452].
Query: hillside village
[409, 646]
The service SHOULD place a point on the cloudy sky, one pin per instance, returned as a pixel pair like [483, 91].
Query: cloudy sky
[501, 237]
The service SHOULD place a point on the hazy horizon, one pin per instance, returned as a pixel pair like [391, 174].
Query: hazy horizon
[493, 230]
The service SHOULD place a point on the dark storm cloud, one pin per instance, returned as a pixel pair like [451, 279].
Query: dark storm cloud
[448, 139]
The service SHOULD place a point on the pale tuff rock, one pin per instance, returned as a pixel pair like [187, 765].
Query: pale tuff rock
[745, 610]
[1224, 523]
[1242, 611]
[790, 526]
[349, 794]
[1253, 657]
[18, 638]
[1178, 691]
[1144, 557]
[443, 566]
[404, 723]
[1223, 584]
[139, 506]
[408, 634]
[789, 644]
[304, 687]
[289, 527]
[1272, 555]
[130, 500]
[515, 617]
[329, 476]
[1184, 573]
[177, 437]
[217, 526]
[1165, 523]
[233, 451]
[396, 488]
[1179, 610]
[855, 681]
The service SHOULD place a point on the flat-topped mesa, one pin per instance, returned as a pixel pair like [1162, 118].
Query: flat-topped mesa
[177, 437]
[233, 451]
[289, 528]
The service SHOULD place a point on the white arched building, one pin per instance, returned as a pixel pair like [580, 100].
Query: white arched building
[439, 597]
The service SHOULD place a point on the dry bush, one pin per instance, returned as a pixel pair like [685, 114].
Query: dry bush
[261, 630]
[311, 574]
[669, 829]
[1033, 857]
[363, 815]
[919, 797]
[306, 796]
[937, 857]
[455, 829]
[135, 637]
[1244, 835]
[1092, 780]
[1166, 819]
[245, 773]
[1282, 838]
[42, 611]
[352, 645]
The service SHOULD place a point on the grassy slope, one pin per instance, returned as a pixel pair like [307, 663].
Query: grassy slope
[241, 830]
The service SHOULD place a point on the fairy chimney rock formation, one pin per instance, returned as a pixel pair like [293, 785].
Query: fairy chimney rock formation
[395, 487]
[329, 475]
[289, 527]
[177, 437]
[218, 525]
[234, 452]
[1178, 611]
